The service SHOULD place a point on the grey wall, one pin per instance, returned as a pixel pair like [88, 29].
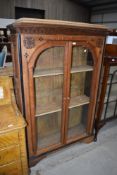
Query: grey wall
[106, 15]
[7, 8]
[54, 9]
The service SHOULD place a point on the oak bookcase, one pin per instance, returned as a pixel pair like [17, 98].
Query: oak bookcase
[56, 72]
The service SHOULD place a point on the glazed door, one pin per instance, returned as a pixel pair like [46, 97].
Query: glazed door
[48, 79]
[62, 100]
[110, 101]
[80, 76]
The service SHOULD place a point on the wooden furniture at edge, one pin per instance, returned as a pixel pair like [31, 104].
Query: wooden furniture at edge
[56, 71]
[13, 157]
[110, 60]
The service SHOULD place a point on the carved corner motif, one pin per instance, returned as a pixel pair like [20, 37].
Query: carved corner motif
[26, 55]
[29, 42]
[40, 38]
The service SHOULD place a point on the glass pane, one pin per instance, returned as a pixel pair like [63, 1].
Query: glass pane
[107, 93]
[112, 75]
[48, 129]
[111, 97]
[113, 92]
[103, 112]
[48, 94]
[48, 80]
[81, 56]
[77, 121]
[112, 69]
[50, 60]
[110, 110]
[80, 86]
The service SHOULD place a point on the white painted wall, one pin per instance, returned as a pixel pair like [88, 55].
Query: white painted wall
[5, 22]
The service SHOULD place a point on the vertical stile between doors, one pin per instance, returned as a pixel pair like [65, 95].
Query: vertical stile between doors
[63, 121]
[67, 98]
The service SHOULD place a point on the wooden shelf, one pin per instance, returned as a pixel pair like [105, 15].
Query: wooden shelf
[51, 108]
[51, 72]
[48, 72]
[78, 101]
[82, 68]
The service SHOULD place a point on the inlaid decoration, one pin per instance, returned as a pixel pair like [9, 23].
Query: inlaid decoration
[26, 55]
[29, 42]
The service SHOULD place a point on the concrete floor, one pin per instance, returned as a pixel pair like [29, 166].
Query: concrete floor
[97, 158]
